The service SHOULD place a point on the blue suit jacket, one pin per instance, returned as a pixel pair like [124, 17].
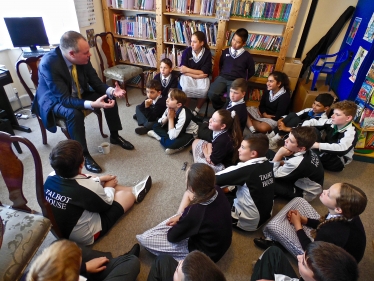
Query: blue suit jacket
[55, 87]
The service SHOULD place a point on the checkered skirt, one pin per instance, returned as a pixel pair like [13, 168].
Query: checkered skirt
[155, 240]
[194, 88]
[279, 228]
[253, 111]
[200, 158]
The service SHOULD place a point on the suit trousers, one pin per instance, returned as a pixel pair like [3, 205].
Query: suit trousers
[217, 89]
[75, 119]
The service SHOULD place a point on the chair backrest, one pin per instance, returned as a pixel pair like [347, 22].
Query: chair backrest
[105, 46]
[32, 64]
[12, 168]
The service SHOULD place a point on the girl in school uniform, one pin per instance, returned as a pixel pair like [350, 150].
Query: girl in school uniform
[342, 226]
[226, 138]
[203, 221]
[195, 67]
[274, 104]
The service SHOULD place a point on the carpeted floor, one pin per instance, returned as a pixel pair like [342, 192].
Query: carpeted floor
[149, 158]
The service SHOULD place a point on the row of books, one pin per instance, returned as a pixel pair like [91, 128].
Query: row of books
[255, 94]
[174, 54]
[149, 5]
[136, 53]
[139, 26]
[199, 7]
[148, 75]
[365, 140]
[180, 31]
[259, 41]
[261, 10]
[263, 69]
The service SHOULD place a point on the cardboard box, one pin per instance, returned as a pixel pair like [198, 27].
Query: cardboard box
[293, 83]
[292, 67]
[303, 97]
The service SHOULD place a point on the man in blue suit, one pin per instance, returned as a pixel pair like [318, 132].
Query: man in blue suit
[58, 95]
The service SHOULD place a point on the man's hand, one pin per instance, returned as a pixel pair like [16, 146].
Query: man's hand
[171, 113]
[118, 92]
[96, 265]
[148, 103]
[100, 103]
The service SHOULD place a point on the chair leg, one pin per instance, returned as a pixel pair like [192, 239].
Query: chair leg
[142, 84]
[315, 77]
[207, 106]
[307, 77]
[99, 115]
[127, 100]
[66, 133]
[43, 130]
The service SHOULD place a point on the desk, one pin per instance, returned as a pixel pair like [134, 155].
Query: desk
[6, 79]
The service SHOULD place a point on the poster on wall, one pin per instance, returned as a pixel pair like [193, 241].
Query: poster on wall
[356, 63]
[85, 12]
[353, 31]
[369, 33]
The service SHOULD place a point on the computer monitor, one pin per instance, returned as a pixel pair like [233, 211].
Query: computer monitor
[27, 32]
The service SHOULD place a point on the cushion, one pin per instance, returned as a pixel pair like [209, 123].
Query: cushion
[23, 235]
[122, 72]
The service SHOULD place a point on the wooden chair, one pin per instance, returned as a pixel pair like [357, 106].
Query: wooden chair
[114, 70]
[32, 64]
[24, 229]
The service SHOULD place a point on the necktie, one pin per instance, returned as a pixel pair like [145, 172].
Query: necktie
[74, 74]
[164, 82]
[235, 52]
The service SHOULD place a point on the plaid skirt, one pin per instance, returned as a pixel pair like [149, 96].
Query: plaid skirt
[253, 111]
[200, 158]
[194, 88]
[281, 230]
[155, 240]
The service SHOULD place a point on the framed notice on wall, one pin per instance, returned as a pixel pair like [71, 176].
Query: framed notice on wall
[85, 12]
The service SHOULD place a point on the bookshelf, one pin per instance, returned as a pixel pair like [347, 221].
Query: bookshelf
[165, 15]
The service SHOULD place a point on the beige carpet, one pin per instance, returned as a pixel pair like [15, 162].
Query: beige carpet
[166, 193]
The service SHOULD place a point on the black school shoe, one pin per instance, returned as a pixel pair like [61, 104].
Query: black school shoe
[141, 130]
[264, 244]
[91, 165]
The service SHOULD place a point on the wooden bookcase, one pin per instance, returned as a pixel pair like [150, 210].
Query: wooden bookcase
[163, 17]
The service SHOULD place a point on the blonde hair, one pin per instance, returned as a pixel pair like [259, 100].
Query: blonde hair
[60, 261]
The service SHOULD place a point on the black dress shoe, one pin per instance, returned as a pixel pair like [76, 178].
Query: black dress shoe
[135, 250]
[134, 117]
[264, 244]
[122, 142]
[91, 165]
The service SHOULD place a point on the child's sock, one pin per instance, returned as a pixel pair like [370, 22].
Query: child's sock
[271, 135]
[277, 137]
[252, 129]
[195, 111]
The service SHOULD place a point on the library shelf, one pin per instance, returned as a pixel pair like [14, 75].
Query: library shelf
[188, 15]
[133, 10]
[243, 19]
[134, 38]
[259, 80]
[136, 63]
[185, 45]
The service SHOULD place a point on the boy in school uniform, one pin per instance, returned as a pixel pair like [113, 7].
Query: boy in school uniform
[150, 110]
[235, 62]
[337, 147]
[298, 171]
[176, 128]
[253, 177]
[166, 77]
[86, 207]
[320, 107]
[234, 103]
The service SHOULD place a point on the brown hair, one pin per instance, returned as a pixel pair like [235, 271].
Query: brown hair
[60, 261]
[201, 179]
[154, 84]
[239, 83]
[348, 107]
[330, 262]
[178, 95]
[234, 129]
[66, 158]
[305, 136]
[167, 61]
[69, 40]
[202, 38]
[259, 143]
[282, 78]
[197, 266]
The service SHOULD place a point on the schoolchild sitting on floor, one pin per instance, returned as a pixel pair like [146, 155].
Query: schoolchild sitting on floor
[254, 179]
[86, 207]
[320, 106]
[195, 267]
[203, 220]
[150, 110]
[167, 78]
[342, 225]
[298, 172]
[337, 147]
[234, 103]
[321, 261]
[175, 129]
[221, 152]
[274, 104]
